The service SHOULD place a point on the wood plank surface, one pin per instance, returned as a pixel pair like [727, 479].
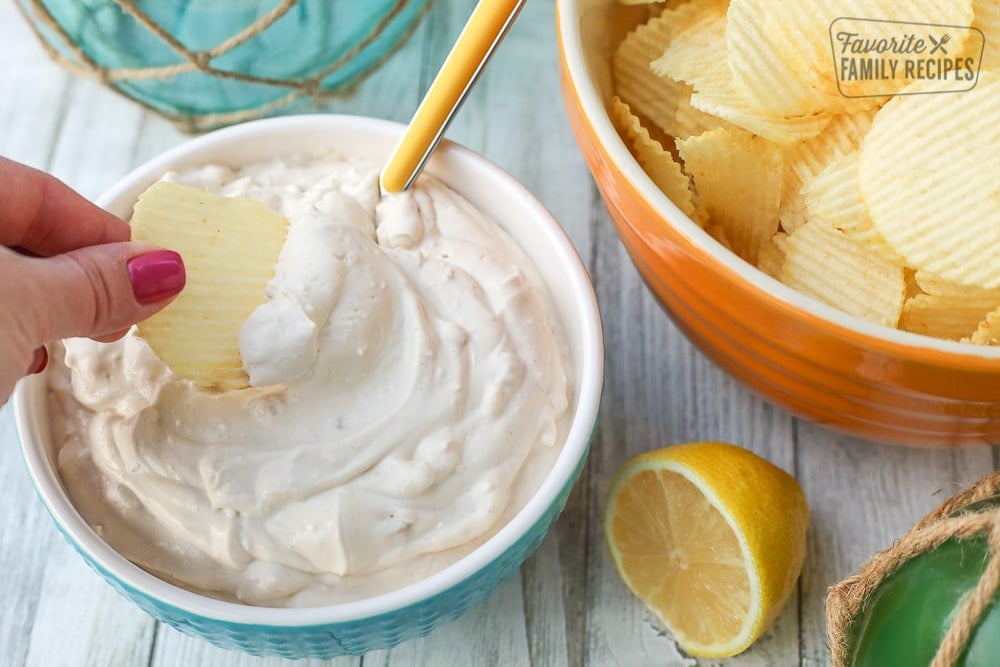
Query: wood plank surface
[566, 606]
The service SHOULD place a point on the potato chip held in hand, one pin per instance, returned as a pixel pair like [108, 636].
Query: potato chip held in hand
[230, 247]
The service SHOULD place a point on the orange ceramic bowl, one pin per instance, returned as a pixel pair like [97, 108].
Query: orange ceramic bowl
[812, 360]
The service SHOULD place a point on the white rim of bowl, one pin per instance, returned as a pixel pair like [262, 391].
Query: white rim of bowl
[596, 114]
[574, 449]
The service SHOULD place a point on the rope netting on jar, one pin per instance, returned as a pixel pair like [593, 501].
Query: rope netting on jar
[972, 513]
[62, 48]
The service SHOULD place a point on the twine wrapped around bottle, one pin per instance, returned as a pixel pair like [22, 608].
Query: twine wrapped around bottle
[75, 34]
[973, 513]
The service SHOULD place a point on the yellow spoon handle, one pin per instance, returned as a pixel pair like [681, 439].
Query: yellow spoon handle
[487, 26]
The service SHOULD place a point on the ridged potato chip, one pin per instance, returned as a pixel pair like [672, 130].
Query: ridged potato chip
[738, 180]
[657, 162]
[696, 56]
[804, 161]
[762, 72]
[772, 255]
[692, 56]
[988, 332]
[824, 264]
[988, 21]
[936, 285]
[783, 62]
[635, 83]
[840, 137]
[912, 288]
[951, 318]
[945, 310]
[792, 214]
[690, 122]
[928, 174]
[983, 46]
[834, 197]
[645, 92]
[230, 247]
[718, 232]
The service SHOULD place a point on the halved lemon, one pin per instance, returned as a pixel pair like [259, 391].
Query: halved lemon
[711, 537]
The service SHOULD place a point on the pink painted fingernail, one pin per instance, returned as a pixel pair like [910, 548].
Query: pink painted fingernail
[156, 275]
[40, 361]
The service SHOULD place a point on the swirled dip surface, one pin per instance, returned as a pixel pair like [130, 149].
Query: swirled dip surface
[410, 391]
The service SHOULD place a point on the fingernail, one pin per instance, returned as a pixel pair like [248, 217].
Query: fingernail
[156, 275]
[40, 361]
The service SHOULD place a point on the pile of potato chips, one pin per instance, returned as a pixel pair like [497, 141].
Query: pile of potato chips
[877, 195]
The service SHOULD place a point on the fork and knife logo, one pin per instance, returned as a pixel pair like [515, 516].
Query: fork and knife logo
[939, 43]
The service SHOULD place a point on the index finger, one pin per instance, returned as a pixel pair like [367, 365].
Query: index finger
[44, 216]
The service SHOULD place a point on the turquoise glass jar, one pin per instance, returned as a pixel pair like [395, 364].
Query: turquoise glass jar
[205, 63]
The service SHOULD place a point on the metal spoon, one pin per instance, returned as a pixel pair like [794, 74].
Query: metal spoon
[490, 21]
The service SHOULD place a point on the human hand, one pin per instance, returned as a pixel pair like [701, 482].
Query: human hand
[67, 268]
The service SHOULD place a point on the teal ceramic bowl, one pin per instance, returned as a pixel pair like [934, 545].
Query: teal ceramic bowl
[385, 620]
[209, 62]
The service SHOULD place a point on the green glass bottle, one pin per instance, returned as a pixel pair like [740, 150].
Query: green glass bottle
[909, 613]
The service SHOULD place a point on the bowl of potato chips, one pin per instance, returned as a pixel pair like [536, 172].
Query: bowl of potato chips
[811, 195]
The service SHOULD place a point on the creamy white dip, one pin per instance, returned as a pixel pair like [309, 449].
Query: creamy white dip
[410, 391]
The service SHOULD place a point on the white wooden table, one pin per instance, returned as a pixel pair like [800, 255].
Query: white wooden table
[567, 605]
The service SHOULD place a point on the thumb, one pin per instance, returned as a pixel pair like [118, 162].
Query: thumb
[96, 290]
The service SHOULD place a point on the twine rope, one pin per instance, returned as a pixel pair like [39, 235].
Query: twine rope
[196, 61]
[847, 600]
[979, 599]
